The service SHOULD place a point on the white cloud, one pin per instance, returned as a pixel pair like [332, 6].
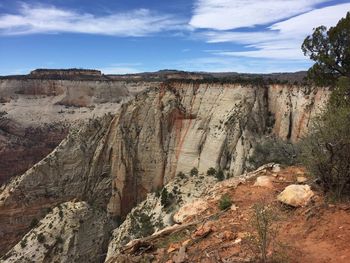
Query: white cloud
[281, 40]
[50, 19]
[232, 14]
[237, 64]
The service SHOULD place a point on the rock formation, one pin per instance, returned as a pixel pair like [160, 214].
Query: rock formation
[113, 163]
[37, 110]
[72, 232]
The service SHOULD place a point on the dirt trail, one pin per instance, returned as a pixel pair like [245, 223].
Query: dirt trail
[319, 232]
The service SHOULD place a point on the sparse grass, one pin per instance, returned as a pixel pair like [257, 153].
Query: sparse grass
[172, 238]
[225, 202]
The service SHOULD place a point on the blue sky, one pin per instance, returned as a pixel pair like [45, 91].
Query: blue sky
[129, 36]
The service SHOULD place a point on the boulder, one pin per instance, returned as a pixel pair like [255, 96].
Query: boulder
[296, 195]
[189, 210]
[264, 181]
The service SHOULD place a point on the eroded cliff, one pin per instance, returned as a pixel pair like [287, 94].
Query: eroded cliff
[37, 110]
[113, 163]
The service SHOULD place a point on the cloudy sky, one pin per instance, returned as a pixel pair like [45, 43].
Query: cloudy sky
[128, 36]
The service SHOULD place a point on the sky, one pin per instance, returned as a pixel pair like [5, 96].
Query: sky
[130, 36]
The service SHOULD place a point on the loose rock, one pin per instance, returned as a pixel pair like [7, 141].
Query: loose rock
[264, 181]
[296, 195]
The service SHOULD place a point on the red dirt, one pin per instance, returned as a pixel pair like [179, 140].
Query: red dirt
[317, 233]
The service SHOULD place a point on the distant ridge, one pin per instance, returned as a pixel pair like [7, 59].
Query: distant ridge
[162, 75]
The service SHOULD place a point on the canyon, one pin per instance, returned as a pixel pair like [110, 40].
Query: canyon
[38, 109]
[124, 138]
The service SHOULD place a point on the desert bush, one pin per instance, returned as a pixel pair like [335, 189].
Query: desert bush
[59, 240]
[41, 238]
[164, 197]
[23, 243]
[34, 223]
[194, 171]
[220, 175]
[274, 150]
[181, 175]
[225, 202]
[262, 238]
[141, 224]
[211, 171]
[326, 150]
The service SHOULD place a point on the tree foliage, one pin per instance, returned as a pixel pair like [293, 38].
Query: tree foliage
[326, 150]
[330, 50]
[274, 150]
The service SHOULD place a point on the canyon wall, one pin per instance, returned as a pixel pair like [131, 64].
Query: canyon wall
[113, 163]
[36, 112]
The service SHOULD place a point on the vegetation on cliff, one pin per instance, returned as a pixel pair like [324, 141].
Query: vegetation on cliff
[326, 150]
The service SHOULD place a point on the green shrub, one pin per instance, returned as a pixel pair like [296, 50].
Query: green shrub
[211, 171]
[59, 240]
[60, 213]
[23, 243]
[220, 175]
[181, 175]
[225, 202]
[166, 198]
[194, 171]
[34, 222]
[326, 150]
[274, 150]
[41, 238]
[141, 224]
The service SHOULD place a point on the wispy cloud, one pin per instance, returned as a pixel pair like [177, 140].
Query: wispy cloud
[281, 40]
[31, 19]
[232, 14]
[237, 64]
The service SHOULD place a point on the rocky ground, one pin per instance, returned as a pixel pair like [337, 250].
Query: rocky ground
[318, 231]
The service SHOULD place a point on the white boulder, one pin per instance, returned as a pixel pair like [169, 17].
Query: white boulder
[264, 181]
[296, 195]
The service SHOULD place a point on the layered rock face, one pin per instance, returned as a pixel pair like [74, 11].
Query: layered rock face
[72, 232]
[164, 132]
[80, 93]
[37, 110]
[21, 147]
[69, 172]
[113, 163]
